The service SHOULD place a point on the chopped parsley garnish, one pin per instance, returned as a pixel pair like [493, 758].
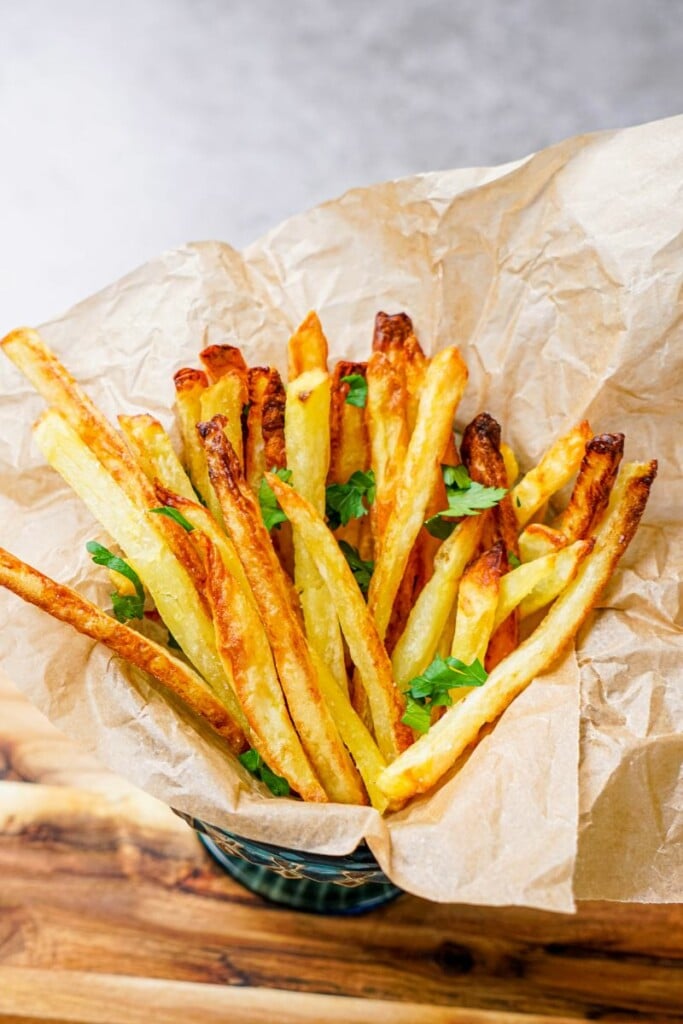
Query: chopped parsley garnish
[255, 764]
[362, 571]
[358, 390]
[465, 498]
[124, 606]
[514, 561]
[271, 512]
[351, 500]
[432, 688]
[519, 504]
[175, 515]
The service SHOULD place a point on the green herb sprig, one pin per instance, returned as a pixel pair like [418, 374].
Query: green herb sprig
[255, 764]
[432, 689]
[358, 390]
[271, 512]
[124, 606]
[362, 570]
[175, 515]
[465, 498]
[351, 500]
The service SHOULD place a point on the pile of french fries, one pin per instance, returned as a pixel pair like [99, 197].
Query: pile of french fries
[348, 596]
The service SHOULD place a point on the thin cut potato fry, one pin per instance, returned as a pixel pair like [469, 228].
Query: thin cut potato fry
[418, 643]
[557, 466]
[349, 445]
[307, 436]
[137, 533]
[355, 734]
[387, 423]
[307, 347]
[394, 336]
[444, 384]
[310, 714]
[68, 606]
[189, 386]
[565, 565]
[598, 471]
[154, 451]
[522, 581]
[244, 650]
[538, 540]
[365, 646]
[511, 464]
[423, 764]
[265, 423]
[227, 396]
[477, 603]
[218, 360]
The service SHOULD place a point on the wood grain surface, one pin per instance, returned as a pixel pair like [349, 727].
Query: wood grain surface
[110, 911]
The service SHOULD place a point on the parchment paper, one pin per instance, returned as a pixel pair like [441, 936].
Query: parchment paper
[561, 278]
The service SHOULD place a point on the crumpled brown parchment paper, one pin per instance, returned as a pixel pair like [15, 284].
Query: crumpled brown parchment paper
[561, 278]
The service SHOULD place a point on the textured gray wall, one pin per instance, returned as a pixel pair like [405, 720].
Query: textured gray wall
[128, 127]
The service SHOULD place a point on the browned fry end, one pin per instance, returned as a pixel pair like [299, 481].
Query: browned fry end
[187, 378]
[596, 476]
[391, 331]
[218, 360]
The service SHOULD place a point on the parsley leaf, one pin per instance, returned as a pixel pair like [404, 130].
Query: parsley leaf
[271, 512]
[358, 390]
[175, 515]
[432, 688]
[465, 498]
[344, 502]
[514, 561]
[124, 606]
[361, 570]
[255, 764]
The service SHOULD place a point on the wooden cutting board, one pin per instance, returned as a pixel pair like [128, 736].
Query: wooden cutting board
[110, 911]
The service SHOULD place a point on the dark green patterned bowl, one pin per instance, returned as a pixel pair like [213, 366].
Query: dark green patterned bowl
[353, 884]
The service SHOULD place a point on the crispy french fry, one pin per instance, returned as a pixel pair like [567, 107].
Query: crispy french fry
[310, 714]
[365, 646]
[218, 360]
[394, 335]
[477, 603]
[154, 451]
[307, 435]
[538, 540]
[557, 466]
[511, 464]
[307, 347]
[68, 606]
[598, 471]
[189, 387]
[246, 656]
[264, 385]
[349, 444]
[444, 384]
[418, 643]
[565, 564]
[228, 396]
[137, 533]
[422, 765]
[387, 423]
[549, 573]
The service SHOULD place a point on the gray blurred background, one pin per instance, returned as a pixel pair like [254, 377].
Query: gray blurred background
[128, 127]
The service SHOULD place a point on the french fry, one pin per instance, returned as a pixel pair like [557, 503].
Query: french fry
[189, 386]
[477, 603]
[349, 444]
[228, 396]
[365, 646]
[307, 347]
[218, 360]
[394, 335]
[307, 436]
[154, 451]
[511, 464]
[246, 656]
[137, 533]
[387, 423]
[545, 575]
[309, 712]
[558, 465]
[538, 540]
[444, 384]
[418, 643]
[65, 604]
[265, 435]
[597, 473]
[423, 764]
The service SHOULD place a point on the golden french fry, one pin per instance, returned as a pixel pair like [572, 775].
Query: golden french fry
[444, 384]
[246, 656]
[546, 573]
[422, 765]
[557, 466]
[387, 423]
[228, 396]
[218, 360]
[349, 444]
[564, 565]
[265, 440]
[310, 714]
[477, 603]
[365, 646]
[154, 451]
[511, 464]
[418, 643]
[68, 606]
[598, 471]
[307, 436]
[538, 540]
[394, 335]
[189, 387]
[137, 533]
[307, 347]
